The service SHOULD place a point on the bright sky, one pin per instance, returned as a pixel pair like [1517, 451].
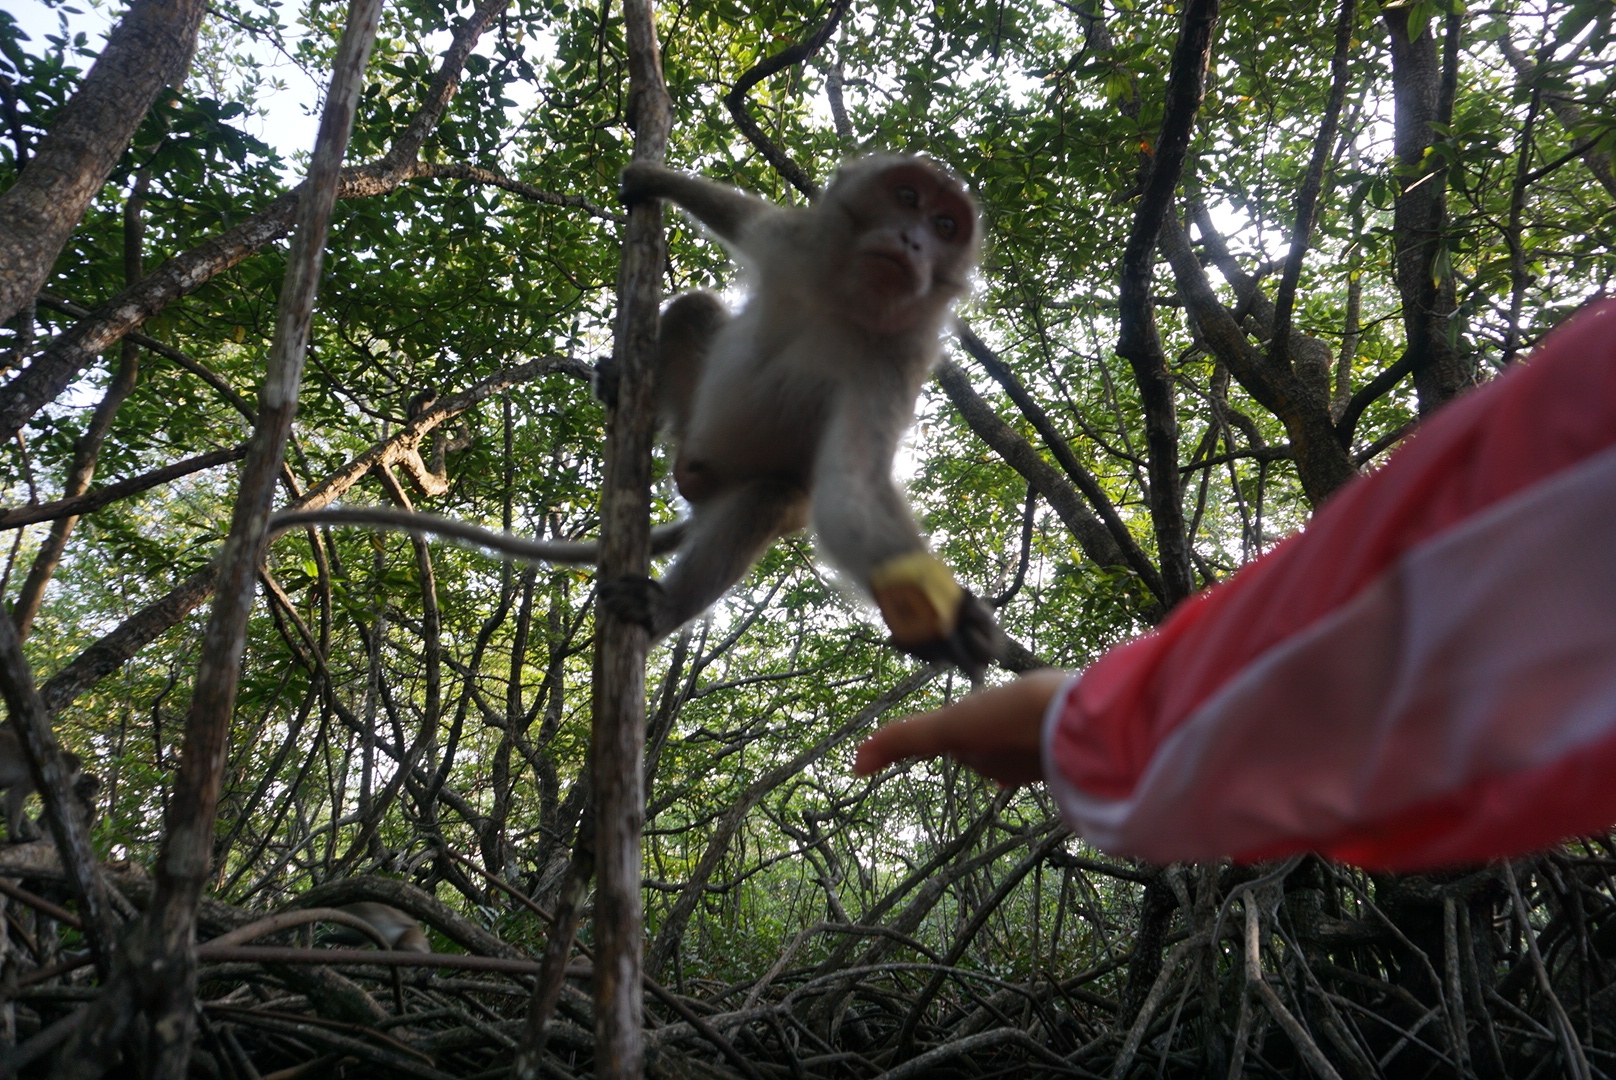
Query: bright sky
[38, 19]
[289, 123]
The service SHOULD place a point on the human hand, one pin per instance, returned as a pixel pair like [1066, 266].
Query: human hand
[998, 732]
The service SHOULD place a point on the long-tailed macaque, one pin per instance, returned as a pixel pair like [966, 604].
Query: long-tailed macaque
[790, 411]
[18, 782]
[402, 933]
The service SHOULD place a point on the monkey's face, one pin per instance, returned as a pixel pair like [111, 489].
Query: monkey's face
[913, 240]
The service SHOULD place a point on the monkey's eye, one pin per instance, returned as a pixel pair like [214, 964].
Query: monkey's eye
[906, 195]
[945, 225]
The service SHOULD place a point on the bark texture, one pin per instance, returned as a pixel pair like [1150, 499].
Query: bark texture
[618, 746]
[1421, 100]
[164, 962]
[150, 49]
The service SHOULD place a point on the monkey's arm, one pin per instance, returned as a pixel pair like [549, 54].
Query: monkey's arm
[864, 524]
[860, 516]
[724, 210]
[664, 538]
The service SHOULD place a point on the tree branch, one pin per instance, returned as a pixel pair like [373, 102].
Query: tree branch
[1322, 464]
[1307, 199]
[149, 49]
[1122, 544]
[1567, 111]
[50, 775]
[119, 490]
[116, 648]
[1369, 393]
[474, 174]
[1139, 342]
[735, 100]
[55, 368]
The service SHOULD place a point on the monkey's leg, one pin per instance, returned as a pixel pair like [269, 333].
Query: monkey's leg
[18, 828]
[684, 337]
[727, 534]
[722, 209]
[863, 521]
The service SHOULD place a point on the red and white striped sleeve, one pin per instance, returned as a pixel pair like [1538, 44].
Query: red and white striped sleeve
[1424, 676]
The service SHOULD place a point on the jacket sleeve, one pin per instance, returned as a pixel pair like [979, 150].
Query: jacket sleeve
[1425, 676]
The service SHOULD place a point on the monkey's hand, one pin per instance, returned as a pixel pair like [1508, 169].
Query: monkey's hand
[640, 600]
[975, 642]
[642, 180]
[932, 617]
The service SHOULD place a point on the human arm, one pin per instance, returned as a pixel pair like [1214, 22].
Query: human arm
[996, 732]
[1424, 677]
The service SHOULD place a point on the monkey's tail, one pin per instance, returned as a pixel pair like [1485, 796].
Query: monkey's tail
[664, 538]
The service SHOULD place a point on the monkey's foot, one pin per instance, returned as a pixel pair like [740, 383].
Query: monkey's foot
[639, 600]
[605, 382]
[975, 642]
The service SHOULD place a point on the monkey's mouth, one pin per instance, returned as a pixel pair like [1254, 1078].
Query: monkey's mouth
[891, 271]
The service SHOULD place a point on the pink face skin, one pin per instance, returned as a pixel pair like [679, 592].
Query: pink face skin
[914, 239]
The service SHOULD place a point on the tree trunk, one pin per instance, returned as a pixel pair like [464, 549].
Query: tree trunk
[618, 746]
[1419, 216]
[150, 49]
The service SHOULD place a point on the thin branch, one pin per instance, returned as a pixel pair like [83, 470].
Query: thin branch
[168, 352]
[1018, 453]
[445, 81]
[664, 538]
[99, 497]
[56, 367]
[1391, 438]
[1307, 199]
[1084, 480]
[1576, 1062]
[1371, 392]
[50, 775]
[474, 174]
[1027, 517]
[735, 100]
[1306, 1048]
[1139, 341]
